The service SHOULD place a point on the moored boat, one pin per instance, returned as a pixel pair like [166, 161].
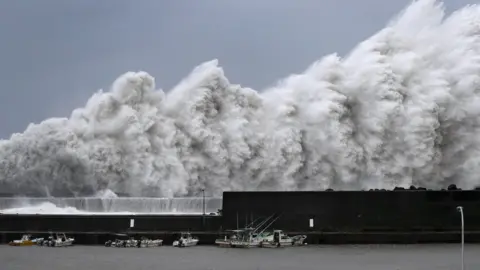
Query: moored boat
[223, 242]
[26, 240]
[251, 236]
[299, 240]
[280, 239]
[57, 240]
[186, 240]
[125, 240]
[242, 238]
[121, 240]
[145, 242]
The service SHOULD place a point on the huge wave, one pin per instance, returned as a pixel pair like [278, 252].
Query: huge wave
[402, 108]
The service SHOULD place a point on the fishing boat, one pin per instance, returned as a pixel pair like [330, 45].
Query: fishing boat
[126, 241]
[145, 242]
[280, 239]
[223, 242]
[57, 240]
[121, 240]
[186, 240]
[248, 237]
[129, 242]
[257, 237]
[26, 240]
[241, 238]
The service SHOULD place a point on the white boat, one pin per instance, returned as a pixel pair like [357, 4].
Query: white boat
[130, 242]
[256, 237]
[26, 240]
[186, 240]
[122, 240]
[145, 242]
[248, 237]
[57, 240]
[244, 238]
[223, 242]
[280, 239]
[299, 240]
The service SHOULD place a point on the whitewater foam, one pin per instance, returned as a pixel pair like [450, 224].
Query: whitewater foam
[106, 206]
[400, 109]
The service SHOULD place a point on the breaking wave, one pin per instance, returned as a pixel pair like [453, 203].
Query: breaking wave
[402, 108]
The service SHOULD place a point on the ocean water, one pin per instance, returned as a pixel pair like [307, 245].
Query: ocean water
[359, 257]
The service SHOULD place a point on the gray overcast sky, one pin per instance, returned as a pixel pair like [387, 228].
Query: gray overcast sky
[54, 54]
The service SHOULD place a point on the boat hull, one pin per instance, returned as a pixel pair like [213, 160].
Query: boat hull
[238, 244]
[185, 243]
[222, 243]
[271, 244]
[66, 243]
[21, 244]
[125, 244]
[244, 245]
[25, 241]
[299, 240]
[151, 243]
[134, 243]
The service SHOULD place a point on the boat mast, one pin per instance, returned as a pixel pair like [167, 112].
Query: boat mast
[270, 224]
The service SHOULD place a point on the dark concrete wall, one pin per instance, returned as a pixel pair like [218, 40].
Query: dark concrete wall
[403, 210]
[341, 211]
[107, 223]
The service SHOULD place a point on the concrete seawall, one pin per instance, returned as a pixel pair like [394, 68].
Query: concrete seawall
[328, 217]
[356, 211]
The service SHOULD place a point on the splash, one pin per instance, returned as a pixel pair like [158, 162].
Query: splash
[402, 108]
[110, 206]
[44, 208]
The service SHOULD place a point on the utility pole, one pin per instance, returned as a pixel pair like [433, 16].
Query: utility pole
[203, 205]
[460, 209]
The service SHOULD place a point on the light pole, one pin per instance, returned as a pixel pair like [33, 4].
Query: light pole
[203, 200]
[203, 203]
[460, 209]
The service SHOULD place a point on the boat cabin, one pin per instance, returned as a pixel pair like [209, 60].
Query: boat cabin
[60, 236]
[278, 234]
[25, 237]
[185, 235]
[242, 234]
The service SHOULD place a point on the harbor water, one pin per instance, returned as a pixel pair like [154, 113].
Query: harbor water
[361, 257]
